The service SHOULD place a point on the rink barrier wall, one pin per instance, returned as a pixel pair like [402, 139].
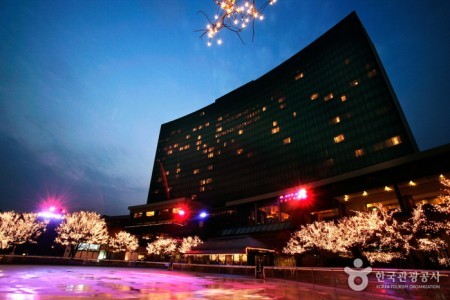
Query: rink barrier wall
[217, 269]
[390, 285]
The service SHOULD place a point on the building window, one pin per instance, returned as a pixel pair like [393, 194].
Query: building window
[240, 151]
[210, 155]
[343, 98]
[299, 76]
[281, 100]
[354, 83]
[210, 167]
[241, 131]
[287, 141]
[314, 96]
[150, 213]
[188, 136]
[359, 152]
[328, 97]
[275, 130]
[219, 129]
[274, 123]
[196, 171]
[264, 108]
[137, 215]
[336, 120]
[393, 141]
[339, 138]
[294, 114]
[372, 73]
[199, 137]
[178, 170]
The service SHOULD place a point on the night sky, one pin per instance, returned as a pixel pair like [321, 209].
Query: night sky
[86, 85]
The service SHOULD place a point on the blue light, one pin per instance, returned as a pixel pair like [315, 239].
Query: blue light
[203, 214]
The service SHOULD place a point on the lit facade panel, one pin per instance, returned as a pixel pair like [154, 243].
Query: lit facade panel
[326, 111]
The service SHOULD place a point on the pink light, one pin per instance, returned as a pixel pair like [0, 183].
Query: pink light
[181, 212]
[301, 194]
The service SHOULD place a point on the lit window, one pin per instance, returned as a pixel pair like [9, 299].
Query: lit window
[199, 137]
[328, 97]
[219, 119]
[240, 151]
[343, 98]
[336, 120]
[394, 141]
[150, 213]
[211, 155]
[275, 130]
[210, 167]
[137, 215]
[274, 123]
[299, 76]
[372, 73]
[169, 152]
[359, 152]
[202, 189]
[354, 83]
[339, 138]
[314, 96]
[281, 100]
[188, 136]
[198, 143]
[196, 171]
[178, 170]
[219, 129]
[207, 124]
[294, 114]
[287, 141]
[241, 131]
[282, 105]
[264, 108]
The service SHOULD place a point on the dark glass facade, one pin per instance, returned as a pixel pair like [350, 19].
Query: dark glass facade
[326, 111]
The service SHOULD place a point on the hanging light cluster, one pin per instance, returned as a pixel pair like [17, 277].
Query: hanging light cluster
[234, 15]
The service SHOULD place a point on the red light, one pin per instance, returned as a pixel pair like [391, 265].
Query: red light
[181, 212]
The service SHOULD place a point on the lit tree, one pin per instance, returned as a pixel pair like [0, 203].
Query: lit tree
[314, 237]
[18, 228]
[233, 15]
[162, 246]
[81, 228]
[123, 241]
[188, 243]
[365, 230]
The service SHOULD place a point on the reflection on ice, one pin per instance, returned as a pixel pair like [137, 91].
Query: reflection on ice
[71, 282]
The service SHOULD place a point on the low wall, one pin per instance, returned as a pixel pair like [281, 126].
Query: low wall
[403, 283]
[50, 260]
[217, 269]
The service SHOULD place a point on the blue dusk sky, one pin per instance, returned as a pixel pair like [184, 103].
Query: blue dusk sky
[85, 85]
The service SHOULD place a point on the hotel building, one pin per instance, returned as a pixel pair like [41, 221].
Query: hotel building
[325, 125]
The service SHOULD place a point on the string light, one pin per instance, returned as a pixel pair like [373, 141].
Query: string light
[234, 15]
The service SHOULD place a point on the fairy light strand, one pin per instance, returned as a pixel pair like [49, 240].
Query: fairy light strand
[233, 15]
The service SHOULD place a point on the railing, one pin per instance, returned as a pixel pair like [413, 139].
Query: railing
[217, 269]
[389, 282]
